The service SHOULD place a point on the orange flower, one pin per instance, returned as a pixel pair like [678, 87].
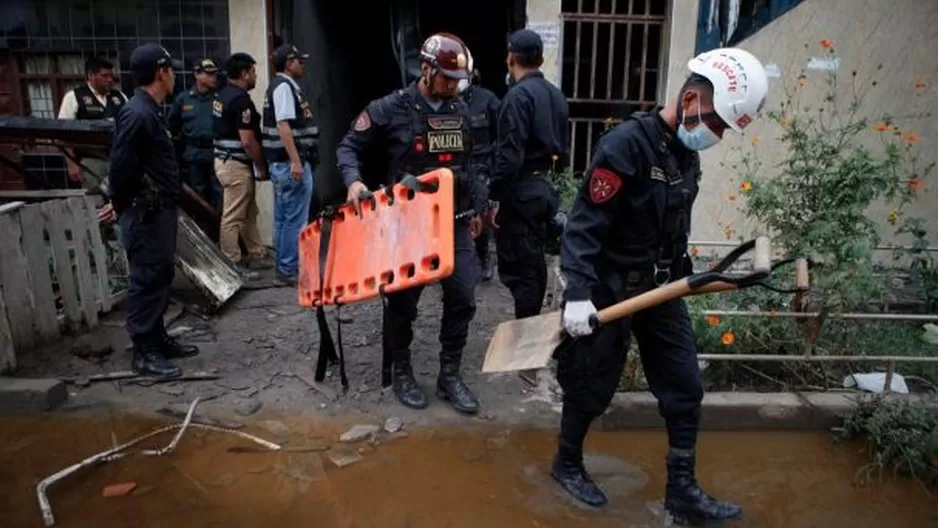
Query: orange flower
[785, 121]
[728, 232]
[802, 83]
[728, 338]
[713, 320]
[882, 127]
[745, 186]
[827, 43]
[920, 85]
[911, 138]
[694, 251]
[915, 184]
[756, 139]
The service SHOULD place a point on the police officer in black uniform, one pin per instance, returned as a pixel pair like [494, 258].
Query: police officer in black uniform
[532, 141]
[483, 121]
[628, 233]
[144, 192]
[425, 126]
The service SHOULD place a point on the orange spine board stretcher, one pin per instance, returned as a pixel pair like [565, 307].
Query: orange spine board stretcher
[397, 244]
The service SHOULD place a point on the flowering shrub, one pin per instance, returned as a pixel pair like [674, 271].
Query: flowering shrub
[836, 163]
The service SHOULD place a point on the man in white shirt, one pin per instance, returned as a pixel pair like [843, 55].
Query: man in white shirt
[97, 99]
[290, 139]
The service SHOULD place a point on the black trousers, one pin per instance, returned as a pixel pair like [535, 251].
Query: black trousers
[459, 303]
[589, 369]
[482, 244]
[149, 238]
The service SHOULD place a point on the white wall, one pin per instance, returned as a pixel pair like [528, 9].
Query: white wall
[248, 23]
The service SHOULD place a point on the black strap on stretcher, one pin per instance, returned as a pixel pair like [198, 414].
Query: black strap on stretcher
[328, 346]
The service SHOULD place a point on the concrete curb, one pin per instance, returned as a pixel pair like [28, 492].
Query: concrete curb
[736, 411]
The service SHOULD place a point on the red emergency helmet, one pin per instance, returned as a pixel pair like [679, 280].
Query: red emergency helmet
[447, 54]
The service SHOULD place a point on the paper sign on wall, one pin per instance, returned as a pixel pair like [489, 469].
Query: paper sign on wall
[549, 32]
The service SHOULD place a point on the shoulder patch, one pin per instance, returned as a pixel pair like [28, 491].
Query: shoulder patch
[246, 116]
[362, 122]
[603, 185]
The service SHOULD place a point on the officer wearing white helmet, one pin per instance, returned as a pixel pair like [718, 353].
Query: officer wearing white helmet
[627, 233]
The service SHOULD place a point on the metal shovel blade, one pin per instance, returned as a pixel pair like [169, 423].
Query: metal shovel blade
[524, 344]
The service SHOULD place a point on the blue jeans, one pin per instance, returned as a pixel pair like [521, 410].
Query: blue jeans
[291, 213]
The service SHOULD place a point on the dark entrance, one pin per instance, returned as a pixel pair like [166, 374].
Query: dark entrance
[356, 49]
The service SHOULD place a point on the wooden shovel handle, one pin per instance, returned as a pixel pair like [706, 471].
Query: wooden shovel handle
[681, 288]
[648, 299]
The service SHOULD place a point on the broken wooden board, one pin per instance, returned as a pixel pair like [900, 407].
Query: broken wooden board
[524, 344]
[203, 263]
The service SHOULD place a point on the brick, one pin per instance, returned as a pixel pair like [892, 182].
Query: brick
[24, 394]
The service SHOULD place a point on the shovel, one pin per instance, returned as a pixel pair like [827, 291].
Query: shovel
[529, 343]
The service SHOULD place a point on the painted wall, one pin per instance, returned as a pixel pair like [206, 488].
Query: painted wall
[899, 34]
[248, 22]
[544, 17]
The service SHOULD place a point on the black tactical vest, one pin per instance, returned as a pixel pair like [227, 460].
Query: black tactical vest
[655, 230]
[227, 139]
[440, 139]
[305, 131]
[90, 108]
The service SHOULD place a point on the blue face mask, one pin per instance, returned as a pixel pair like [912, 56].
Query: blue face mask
[700, 138]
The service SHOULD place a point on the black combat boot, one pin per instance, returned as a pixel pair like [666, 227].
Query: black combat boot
[405, 386]
[149, 360]
[569, 472]
[685, 501]
[173, 349]
[488, 271]
[450, 386]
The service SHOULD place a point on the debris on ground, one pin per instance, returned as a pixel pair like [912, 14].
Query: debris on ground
[118, 490]
[248, 407]
[276, 428]
[358, 433]
[89, 346]
[177, 411]
[393, 424]
[342, 459]
[172, 390]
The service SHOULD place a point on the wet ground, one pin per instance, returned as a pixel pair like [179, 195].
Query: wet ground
[440, 477]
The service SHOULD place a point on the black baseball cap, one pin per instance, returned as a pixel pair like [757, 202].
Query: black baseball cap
[147, 58]
[206, 66]
[285, 53]
[526, 42]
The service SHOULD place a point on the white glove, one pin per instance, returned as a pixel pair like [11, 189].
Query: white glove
[576, 318]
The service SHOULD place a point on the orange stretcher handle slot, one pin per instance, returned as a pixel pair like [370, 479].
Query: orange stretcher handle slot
[402, 239]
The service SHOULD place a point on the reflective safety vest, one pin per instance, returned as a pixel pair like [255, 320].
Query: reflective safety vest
[305, 131]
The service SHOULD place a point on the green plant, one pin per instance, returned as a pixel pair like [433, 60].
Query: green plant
[923, 268]
[836, 163]
[900, 435]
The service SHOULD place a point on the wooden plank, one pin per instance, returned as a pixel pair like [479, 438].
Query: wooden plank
[57, 221]
[10, 207]
[40, 279]
[7, 350]
[42, 195]
[209, 270]
[14, 282]
[100, 256]
[75, 210]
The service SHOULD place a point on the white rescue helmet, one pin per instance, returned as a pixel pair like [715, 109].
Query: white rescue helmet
[740, 84]
[464, 83]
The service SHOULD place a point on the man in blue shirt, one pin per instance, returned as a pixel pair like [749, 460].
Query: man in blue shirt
[144, 190]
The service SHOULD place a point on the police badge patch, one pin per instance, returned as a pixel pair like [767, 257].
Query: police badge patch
[246, 116]
[362, 122]
[603, 185]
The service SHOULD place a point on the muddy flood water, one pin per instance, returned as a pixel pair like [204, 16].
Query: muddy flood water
[478, 477]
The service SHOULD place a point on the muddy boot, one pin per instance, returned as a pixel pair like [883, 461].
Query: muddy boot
[685, 501]
[450, 386]
[405, 386]
[569, 472]
[173, 349]
[148, 361]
